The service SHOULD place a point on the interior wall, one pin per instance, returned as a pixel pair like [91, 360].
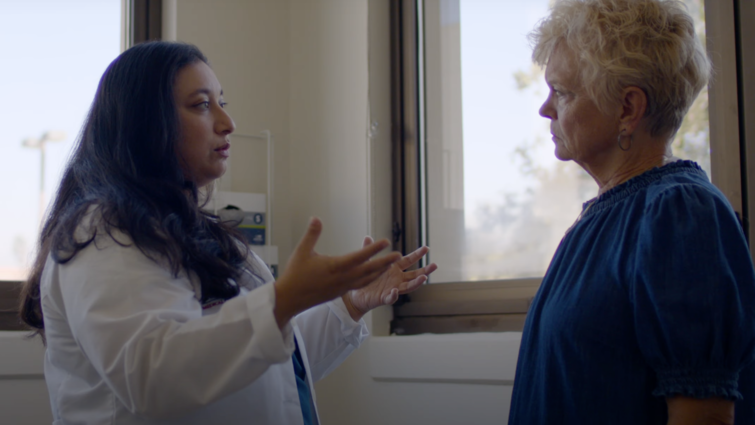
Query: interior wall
[328, 121]
[247, 44]
[23, 392]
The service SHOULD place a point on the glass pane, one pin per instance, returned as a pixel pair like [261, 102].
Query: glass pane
[693, 139]
[499, 202]
[55, 54]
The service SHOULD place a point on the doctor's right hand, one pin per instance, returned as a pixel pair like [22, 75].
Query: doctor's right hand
[311, 279]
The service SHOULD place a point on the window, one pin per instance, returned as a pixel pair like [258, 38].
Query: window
[479, 182]
[59, 51]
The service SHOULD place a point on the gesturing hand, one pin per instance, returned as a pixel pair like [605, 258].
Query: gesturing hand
[311, 279]
[386, 288]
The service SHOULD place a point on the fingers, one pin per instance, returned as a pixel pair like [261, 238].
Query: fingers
[308, 241]
[363, 274]
[413, 257]
[357, 257]
[379, 264]
[367, 240]
[430, 268]
[411, 274]
[371, 270]
[413, 284]
[391, 297]
[362, 280]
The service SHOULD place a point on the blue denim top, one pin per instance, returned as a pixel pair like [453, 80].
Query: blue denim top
[650, 294]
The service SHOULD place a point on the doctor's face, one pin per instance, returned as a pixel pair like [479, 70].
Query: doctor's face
[204, 126]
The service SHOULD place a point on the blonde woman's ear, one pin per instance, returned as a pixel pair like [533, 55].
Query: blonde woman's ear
[634, 104]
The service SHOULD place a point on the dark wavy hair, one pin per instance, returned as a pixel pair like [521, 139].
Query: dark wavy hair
[125, 166]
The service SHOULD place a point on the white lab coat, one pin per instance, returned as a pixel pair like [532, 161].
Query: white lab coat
[128, 343]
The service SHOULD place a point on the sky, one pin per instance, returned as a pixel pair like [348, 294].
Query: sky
[497, 117]
[54, 53]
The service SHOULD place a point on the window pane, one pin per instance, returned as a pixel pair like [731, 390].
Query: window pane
[499, 202]
[693, 139]
[55, 53]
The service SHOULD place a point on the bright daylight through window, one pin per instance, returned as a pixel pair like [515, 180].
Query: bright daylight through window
[55, 52]
[499, 202]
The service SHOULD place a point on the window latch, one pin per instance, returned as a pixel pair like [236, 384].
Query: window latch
[396, 232]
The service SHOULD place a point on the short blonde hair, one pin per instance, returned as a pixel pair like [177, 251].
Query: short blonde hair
[650, 44]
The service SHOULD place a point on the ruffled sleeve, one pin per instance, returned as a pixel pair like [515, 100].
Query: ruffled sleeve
[693, 293]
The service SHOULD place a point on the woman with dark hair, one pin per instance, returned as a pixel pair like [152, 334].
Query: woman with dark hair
[153, 310]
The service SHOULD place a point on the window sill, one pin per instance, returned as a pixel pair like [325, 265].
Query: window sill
[472, 358]
[465, 307]
[9, 294]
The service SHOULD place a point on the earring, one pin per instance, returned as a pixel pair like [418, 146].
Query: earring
[629, 146]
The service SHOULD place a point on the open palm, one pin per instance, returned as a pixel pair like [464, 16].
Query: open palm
[388, 286]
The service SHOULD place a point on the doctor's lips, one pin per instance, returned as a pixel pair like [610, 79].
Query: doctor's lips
[224, 150]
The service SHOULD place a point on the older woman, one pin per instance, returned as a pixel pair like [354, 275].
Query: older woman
[647, 312]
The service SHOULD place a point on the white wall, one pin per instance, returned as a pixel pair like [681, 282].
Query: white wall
[328, 120]
[247, 44]
[23, 392]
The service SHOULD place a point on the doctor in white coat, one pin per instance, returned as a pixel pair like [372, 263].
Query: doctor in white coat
[155, 312]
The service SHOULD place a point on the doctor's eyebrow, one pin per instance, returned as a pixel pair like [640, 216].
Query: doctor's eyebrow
[206, 91]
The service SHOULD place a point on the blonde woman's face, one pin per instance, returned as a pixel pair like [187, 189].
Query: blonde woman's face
[581, 132]
[205, 127]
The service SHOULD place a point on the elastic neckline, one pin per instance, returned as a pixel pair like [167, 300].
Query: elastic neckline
[637, 183]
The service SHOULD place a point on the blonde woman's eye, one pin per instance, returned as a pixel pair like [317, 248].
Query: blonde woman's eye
[222, 104]
[203, 105]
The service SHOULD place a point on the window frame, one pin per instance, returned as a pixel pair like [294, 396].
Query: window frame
[143, 21]
[501, 305]
[744, 11]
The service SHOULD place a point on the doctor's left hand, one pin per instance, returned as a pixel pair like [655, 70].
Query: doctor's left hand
[388, 286]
